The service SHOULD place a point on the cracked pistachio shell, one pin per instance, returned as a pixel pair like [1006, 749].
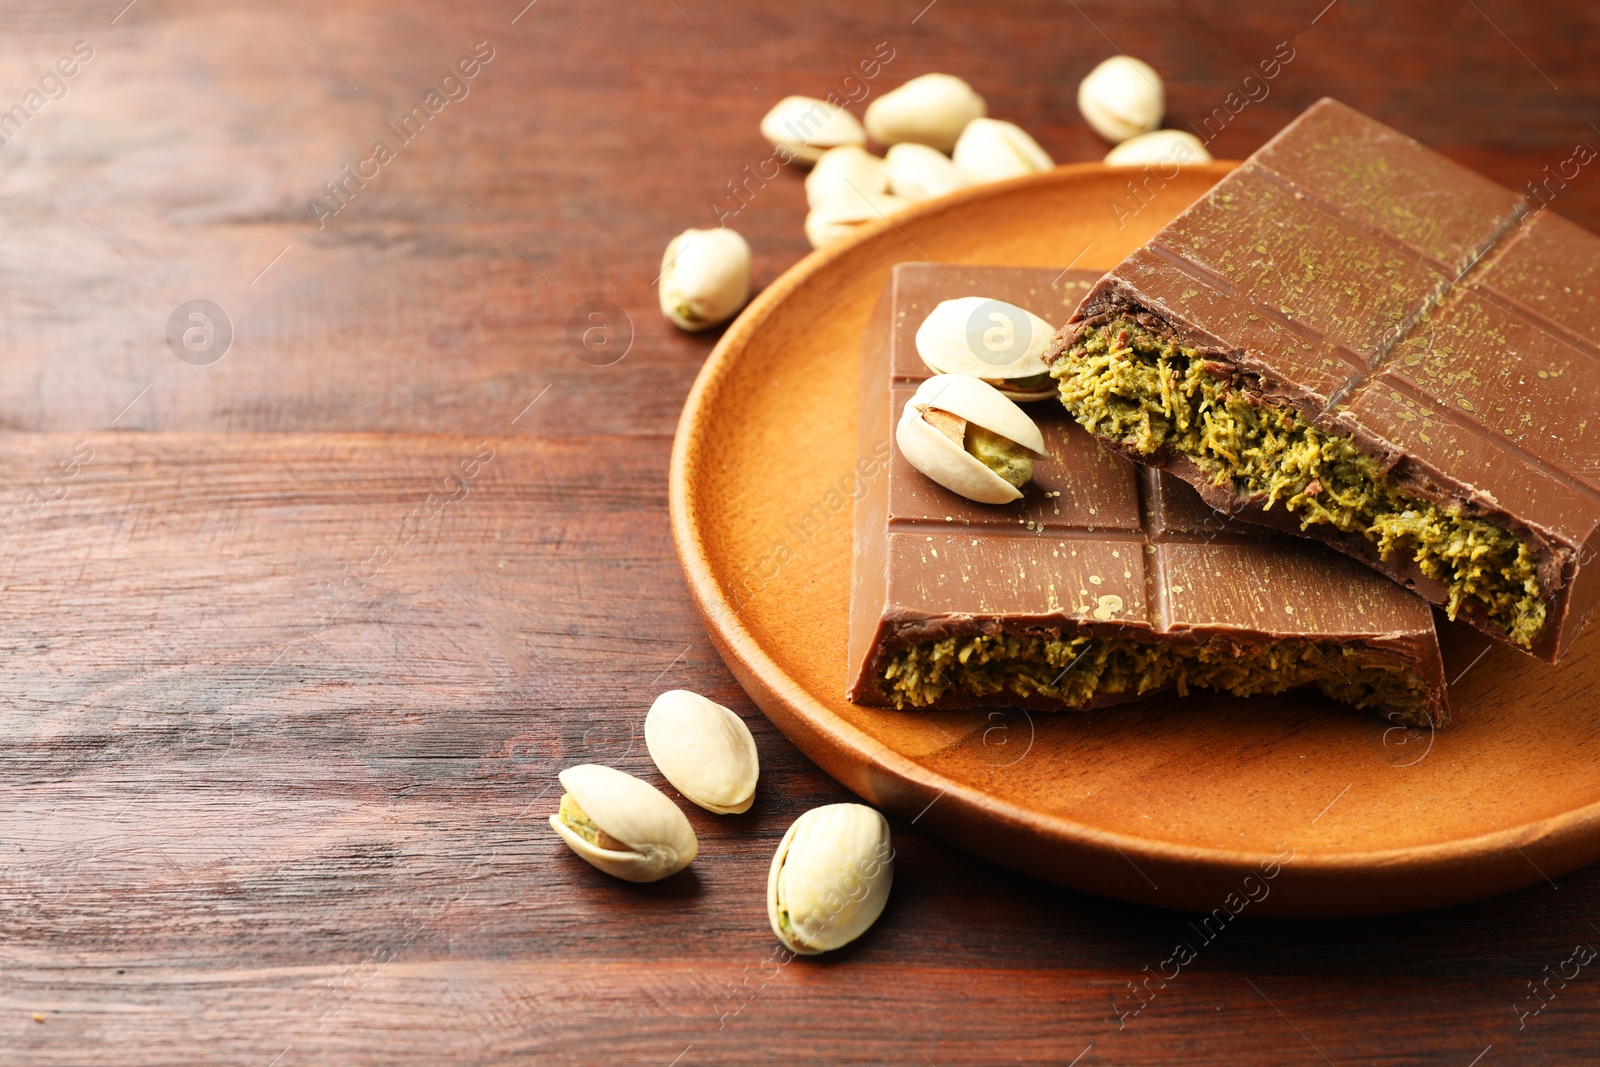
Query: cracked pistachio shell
[848, 170]
[946, 462]
[988, 339]
[930, 110]
[830, 878]
[705, 277]
[1122, 98]
[806, 127]
[704, 750]
[918, 172]
[991, 150]
[1159, 147]
[657, 839]
[834, 220]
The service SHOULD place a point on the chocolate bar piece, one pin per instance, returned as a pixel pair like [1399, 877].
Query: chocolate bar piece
[1104, 582]
[1353, 338]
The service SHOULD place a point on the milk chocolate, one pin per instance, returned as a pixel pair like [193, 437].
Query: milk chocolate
[1394, 356]
[1104, 581]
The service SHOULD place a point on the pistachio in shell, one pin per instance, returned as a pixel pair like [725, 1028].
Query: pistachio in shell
[704, 750]
[622, 825]
[830, 878]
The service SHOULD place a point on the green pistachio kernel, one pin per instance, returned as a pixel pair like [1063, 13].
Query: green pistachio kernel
[1006, 458]
[1031, 384]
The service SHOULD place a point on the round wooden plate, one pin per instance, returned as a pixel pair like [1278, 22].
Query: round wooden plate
[1285, 805]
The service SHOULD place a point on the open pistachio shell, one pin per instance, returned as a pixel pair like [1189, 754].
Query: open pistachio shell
[989, 339]
[947, 462]
[705, 277]
[979, 403]
[848, 170]
[806, 127]
[1122, 98]
[1159, 148]
[931, 109]
[704, 750]
[835, 219]
[830, 878]
[991, 150]
[622, 825]
[918, 172]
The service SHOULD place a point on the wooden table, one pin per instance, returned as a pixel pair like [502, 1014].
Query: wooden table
[296, 639]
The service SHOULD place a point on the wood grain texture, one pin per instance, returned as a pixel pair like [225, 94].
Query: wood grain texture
[243, 824]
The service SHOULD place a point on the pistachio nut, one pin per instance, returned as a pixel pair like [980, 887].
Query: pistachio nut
[959, 431]
[830, 878]
[918, 172]
[932, 110]
[622, 825]
[834, 220]
[1159, 147]
[990, 339]
[1122, 98]
[705, 277]
[806, 127]
[848, 170]
[703, 749]
[991, 150]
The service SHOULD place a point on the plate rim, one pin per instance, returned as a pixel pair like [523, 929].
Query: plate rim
[745, 656]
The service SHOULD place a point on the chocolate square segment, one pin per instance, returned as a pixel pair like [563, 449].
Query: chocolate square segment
[1377, 178]
[1367, 344]
[1123, 574]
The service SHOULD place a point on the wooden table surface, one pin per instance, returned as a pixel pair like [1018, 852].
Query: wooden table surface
[295, 641]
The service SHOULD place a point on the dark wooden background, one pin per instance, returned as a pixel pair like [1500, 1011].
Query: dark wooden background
[281, 706]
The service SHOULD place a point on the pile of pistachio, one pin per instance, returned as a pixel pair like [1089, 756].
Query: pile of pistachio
[939, 138]
[830, 876]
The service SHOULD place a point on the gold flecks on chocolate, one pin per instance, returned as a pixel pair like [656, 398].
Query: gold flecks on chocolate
[1107, 606]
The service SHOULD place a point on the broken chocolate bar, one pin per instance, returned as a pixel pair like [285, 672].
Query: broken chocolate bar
[1355, 339]
[1104, 582]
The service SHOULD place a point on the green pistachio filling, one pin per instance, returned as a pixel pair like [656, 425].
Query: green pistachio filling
[1124, 382]
[579, 821]
[1076, 669]
[1025, 385]
[1005, 457]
